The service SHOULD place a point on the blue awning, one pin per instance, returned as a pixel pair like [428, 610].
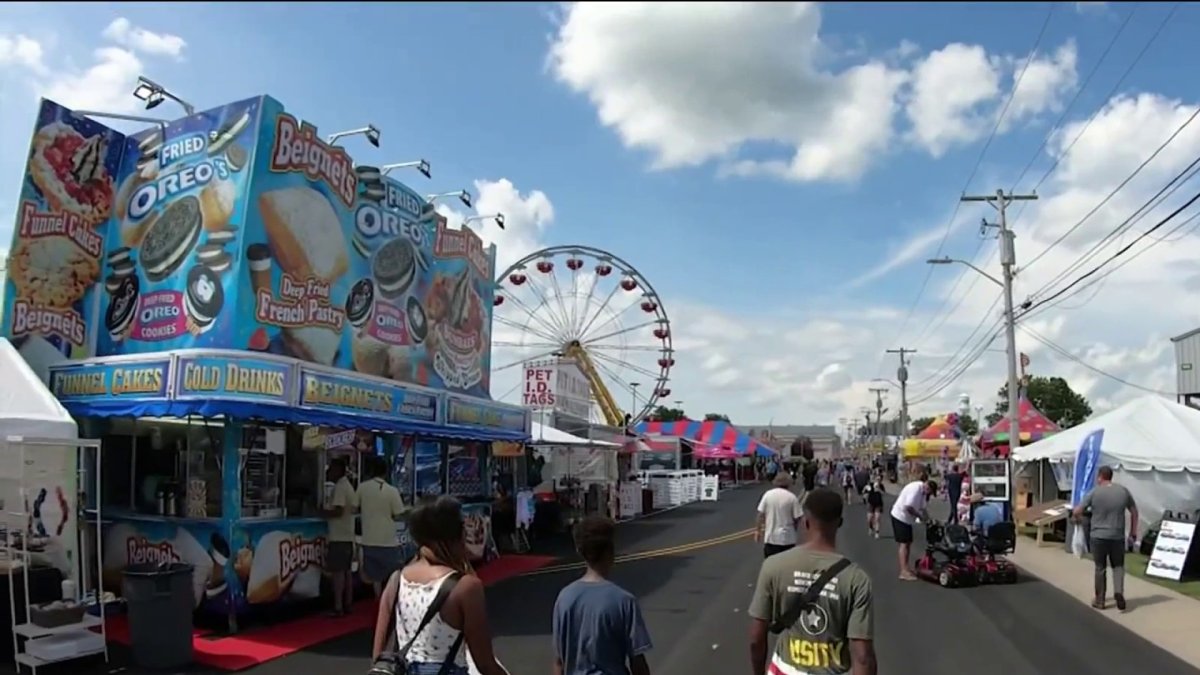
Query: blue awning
[281, 414]
[211, 383]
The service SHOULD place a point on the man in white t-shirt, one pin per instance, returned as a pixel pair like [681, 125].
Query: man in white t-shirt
[381, 507]
[778, 513]
[910, 506]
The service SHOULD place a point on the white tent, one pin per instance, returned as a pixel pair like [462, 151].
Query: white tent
[28, 409]
[542, 434]
[590, 461]
[1153, 445]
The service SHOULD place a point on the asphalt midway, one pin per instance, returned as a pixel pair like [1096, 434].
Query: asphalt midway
[695, 606]
[695, 600]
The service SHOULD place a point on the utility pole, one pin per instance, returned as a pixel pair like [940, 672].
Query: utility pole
[1008, 262]
[902, 379]
[879, 393]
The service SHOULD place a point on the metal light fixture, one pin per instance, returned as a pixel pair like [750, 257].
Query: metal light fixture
[497, 218]
[127, 118]
[462, 195]
[153, 94]
[370, 131]
[420, 165]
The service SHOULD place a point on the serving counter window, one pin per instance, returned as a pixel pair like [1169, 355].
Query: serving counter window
[466, 469]
[263, 464]
[162, 466]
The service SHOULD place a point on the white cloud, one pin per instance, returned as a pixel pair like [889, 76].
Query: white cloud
[950, 87]
[1091, 7]
[106, 83]
[758, 367]
[23, 51]
[124, 33]
[731, 73]
[771, 84]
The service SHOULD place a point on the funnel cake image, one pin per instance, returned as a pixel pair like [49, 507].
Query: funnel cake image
[69, 171]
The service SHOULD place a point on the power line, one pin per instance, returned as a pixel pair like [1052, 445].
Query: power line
[1111, 92]
[1119, 187]
[932, 326]
[1128, 224]
[1071, 357]
[1121, 251]
[975, 169]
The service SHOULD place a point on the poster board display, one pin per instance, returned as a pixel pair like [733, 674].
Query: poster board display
[1171, 550]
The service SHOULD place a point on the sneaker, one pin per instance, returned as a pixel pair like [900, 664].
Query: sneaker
[1120, 598]
[1098, 603]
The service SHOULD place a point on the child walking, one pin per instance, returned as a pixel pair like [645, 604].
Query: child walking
[598, 626]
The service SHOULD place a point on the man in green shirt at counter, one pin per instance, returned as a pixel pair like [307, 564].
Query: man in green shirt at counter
[339, 511]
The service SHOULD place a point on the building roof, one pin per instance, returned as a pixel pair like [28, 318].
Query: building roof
[793, 430]
[1190, 333]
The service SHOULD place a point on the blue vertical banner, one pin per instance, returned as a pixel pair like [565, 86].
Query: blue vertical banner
[1087, 462]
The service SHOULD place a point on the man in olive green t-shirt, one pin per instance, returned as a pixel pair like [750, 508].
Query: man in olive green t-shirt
[834, 635]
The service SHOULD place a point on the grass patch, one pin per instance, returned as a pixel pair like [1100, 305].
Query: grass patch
[1135, 564]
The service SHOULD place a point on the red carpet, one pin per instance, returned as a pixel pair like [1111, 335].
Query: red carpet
[259, 645]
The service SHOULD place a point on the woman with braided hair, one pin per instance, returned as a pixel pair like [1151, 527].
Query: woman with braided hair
[436, 525]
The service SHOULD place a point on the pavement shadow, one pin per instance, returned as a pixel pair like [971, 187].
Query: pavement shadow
[537, 594]
[1146, 601]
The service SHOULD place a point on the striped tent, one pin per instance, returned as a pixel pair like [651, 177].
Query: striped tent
[708, 434]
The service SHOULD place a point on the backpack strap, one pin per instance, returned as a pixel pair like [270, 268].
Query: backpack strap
[809, 596]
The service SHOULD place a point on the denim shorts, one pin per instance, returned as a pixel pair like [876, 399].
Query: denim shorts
[434, 669]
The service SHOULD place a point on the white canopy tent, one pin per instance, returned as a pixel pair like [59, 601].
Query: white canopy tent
[1153, 446]
[28, 410]
[590, 461]
[542, 434]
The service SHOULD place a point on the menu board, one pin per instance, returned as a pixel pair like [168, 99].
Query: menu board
[1171, 550]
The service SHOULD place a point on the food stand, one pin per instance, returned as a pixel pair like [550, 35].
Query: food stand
[244, 303]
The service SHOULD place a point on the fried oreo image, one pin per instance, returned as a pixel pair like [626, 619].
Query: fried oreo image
[204, 296]
[394, 267]
[418, 323]
[218, 141]
[360, 303]
[170, 239]
[122, 307]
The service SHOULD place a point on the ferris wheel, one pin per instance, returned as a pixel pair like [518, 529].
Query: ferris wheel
[590, 306]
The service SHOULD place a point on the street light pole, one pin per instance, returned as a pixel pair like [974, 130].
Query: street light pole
[1000, 202]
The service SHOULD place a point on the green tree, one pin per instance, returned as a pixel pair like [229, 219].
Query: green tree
[968, 425]
[716, 417]
[1051, 395]
[664, 414]
[918, 425]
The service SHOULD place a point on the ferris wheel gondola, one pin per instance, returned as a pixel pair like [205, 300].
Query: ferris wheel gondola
[594, 308]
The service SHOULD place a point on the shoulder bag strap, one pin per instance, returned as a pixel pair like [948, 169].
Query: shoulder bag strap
[389, 646]
[451, 655]
[434, 607]
[792, 613]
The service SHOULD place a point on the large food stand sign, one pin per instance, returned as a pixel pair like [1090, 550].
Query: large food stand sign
[240, 228]
[234, 270]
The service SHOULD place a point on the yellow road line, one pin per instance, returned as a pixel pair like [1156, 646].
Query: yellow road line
[654, 553]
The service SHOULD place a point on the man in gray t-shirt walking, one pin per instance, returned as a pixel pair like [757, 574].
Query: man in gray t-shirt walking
[1108, 503]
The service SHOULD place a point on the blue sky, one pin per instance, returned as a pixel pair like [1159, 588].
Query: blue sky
[757, 266]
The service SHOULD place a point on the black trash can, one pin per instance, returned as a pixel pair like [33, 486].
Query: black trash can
[159, 601]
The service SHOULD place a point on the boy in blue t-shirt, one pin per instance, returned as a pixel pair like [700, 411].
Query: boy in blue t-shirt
[598, 626]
